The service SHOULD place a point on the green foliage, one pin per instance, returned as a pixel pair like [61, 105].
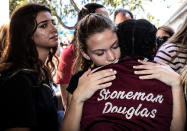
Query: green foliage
[63, 10]
[13, 4]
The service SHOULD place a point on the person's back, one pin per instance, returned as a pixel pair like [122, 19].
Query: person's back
[130, 103]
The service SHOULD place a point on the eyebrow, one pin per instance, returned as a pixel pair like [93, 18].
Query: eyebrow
[45, 21]
[105, 49]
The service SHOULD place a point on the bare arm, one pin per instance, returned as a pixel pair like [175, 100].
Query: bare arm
[88, 84]
[64, 94]
[165, 74]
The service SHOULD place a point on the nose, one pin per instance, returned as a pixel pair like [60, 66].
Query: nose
[53, 28]
[111, 56]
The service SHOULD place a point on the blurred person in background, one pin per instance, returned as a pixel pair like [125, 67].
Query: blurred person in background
[121, 15]
[163, 34]
[174, 51]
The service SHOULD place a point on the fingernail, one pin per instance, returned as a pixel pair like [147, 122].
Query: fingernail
[115, 71]
[135, 72]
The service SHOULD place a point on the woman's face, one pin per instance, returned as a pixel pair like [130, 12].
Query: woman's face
[161, 33]
[45, 36]
[103, 48]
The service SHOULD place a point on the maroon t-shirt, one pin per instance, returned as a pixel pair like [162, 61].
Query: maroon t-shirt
[129, 104]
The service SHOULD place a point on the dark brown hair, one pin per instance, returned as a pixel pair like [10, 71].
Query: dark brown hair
[22, 49]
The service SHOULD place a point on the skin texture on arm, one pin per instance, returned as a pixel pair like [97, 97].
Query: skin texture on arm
[164, 73]
[88, 84]
[64, 94]
[69, 97]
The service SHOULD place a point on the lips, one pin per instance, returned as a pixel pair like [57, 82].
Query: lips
[55, 37]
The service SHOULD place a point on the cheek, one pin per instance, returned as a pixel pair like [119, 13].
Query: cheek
[117, 53]
[98, 60]
[39, 37]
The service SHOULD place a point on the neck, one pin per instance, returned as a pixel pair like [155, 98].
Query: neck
[43, 53]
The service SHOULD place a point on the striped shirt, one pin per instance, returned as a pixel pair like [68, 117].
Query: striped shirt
[169, 50]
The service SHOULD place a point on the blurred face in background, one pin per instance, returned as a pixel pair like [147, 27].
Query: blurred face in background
[161, 33]
[121, 18]
[102, 11]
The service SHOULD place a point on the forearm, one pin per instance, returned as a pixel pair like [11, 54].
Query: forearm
[72, 116]
[64, 94]
[179, 109]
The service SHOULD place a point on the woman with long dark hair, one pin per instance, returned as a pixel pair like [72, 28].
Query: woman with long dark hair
[26, 97]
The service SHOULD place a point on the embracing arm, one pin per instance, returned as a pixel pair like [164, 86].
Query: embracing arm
[72, 116]
[88, 84]
[164, 73]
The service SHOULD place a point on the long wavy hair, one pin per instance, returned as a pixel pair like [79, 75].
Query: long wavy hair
[3, 37]
[180, 39]
[88, 26]
[21, 49]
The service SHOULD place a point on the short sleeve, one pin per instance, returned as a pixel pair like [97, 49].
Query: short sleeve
[17, 103]
[165, 53]
[74, 82]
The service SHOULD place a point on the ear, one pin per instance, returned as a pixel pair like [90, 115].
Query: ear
[85, 55]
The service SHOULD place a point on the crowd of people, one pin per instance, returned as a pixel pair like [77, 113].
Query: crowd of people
[119, 75]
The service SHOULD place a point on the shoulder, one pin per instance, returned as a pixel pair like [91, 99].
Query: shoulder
[77, 76]
[168, 46]
[74, 82]
[19, 77]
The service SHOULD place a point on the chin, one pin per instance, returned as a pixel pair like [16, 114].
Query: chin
[54, 45]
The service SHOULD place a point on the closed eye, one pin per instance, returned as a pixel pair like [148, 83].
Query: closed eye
[99, 53]
[115, 45]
